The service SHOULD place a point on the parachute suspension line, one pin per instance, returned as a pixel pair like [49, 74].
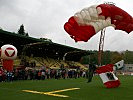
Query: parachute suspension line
[101, 44]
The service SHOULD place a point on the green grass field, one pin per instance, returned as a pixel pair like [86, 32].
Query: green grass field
[88, 91]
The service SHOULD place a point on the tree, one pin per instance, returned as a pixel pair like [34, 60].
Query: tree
[93, 58]
[26, 34]
[115, 57]
[128, 57]
[21, 31]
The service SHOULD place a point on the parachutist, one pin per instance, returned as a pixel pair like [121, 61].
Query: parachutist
[92, 68]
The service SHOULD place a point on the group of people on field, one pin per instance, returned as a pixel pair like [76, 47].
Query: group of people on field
[40, 74]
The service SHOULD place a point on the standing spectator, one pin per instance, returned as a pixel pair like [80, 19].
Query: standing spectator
[26, 75]
[48, 73]
[43, 75]
[75, 74]
[4, 75]
[63, 73]
[16, 74]
[1, 73]
[31, 74]
[39, 75]
[9, 76]
[84, 74]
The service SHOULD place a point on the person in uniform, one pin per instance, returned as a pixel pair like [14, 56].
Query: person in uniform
[92, 68]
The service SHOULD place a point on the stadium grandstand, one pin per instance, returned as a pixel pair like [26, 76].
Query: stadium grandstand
[43, 51]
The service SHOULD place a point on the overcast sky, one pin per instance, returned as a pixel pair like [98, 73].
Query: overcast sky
[46, 18]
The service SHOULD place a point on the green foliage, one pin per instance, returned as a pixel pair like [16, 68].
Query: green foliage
[26, 34]
[106, 58]
[90, 58]
[109, 57]
[85, 60]
[115, 57]
[128, 57]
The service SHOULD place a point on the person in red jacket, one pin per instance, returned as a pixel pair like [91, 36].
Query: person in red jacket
[1, 72]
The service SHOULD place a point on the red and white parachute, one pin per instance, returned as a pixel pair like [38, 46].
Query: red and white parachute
[108, 77]
[86, 23]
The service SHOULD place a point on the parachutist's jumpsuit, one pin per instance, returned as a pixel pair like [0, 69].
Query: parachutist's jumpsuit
[92, 69]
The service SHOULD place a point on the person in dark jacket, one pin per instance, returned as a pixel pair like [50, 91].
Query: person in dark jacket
[92, 68]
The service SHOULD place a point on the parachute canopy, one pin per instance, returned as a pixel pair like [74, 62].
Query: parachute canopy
[108, 77]
[86, 23]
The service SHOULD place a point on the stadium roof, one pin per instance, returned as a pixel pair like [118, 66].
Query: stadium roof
[40, 47]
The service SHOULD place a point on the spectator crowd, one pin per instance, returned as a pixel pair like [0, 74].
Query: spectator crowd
[40, 74]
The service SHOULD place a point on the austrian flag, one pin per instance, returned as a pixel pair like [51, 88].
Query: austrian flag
[108, 77]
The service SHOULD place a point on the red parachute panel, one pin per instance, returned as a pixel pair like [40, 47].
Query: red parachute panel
[79, 32]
